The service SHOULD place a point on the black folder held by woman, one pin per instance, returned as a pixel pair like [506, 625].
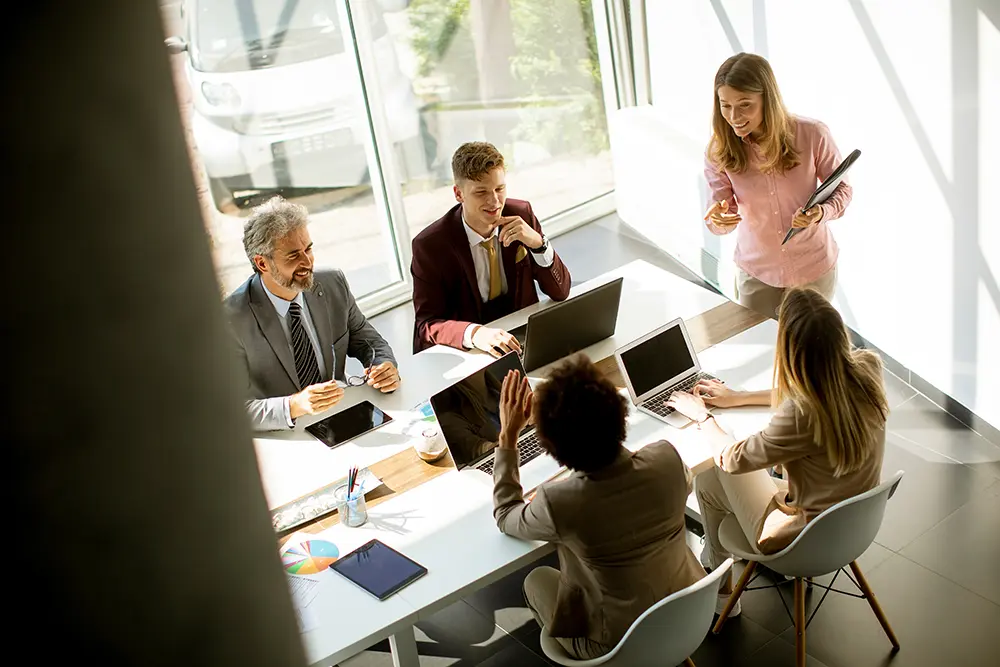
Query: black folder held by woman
[826, 189]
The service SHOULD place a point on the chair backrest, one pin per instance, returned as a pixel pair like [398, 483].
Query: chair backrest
[672, 629]
[838, 536]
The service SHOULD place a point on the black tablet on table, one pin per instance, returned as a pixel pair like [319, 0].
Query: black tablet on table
[379, 569]
[348, 424]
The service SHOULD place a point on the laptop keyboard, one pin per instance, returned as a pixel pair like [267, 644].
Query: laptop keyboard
[528, 449]
[658, 403]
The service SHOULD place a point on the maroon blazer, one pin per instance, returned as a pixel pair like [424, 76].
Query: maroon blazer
[445, 294]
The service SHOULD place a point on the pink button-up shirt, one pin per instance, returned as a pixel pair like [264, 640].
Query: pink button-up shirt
[768, 202]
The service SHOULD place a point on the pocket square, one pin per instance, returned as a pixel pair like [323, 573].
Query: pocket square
[521, 254]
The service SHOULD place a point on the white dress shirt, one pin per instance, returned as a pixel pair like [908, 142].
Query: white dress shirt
[281, 307]
[481, 260]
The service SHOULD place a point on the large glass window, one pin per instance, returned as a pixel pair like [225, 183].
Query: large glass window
[271, 95]
[318, 100]
[521, 74]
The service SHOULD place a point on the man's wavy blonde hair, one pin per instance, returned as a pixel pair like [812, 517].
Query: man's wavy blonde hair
[473, 160]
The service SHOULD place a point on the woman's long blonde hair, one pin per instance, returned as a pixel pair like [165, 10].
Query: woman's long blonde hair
[839, 389]
[751, 73]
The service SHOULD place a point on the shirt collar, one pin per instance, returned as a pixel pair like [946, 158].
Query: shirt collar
[280, 305]
[474, 237]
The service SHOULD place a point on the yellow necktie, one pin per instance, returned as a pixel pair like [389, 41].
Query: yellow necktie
[495, 279]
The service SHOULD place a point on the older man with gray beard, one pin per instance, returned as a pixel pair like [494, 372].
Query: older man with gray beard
[295, 329]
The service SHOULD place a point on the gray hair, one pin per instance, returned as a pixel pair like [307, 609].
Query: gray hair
[269, 222]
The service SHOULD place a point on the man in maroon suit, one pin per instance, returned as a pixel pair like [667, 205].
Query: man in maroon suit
[481, 260]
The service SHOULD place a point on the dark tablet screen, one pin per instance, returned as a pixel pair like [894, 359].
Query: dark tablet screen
[348, 424]
[379, 569]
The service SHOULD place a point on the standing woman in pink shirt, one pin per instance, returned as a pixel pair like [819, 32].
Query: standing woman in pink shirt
[762, 165]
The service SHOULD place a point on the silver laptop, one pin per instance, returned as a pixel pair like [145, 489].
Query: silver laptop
[657, 365]
[468, 414]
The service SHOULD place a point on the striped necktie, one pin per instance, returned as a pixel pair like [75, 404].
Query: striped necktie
[305, 356]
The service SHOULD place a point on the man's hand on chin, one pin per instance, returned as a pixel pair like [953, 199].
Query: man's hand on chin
[514, 229]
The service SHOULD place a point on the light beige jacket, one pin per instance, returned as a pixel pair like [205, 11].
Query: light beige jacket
[812, 486]
[619, 534]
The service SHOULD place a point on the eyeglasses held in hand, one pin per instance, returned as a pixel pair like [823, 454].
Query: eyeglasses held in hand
[358, 380]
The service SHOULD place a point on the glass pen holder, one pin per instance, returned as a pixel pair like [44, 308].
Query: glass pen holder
[351, 506]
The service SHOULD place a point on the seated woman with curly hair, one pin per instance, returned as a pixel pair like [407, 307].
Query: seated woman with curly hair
[617, 521]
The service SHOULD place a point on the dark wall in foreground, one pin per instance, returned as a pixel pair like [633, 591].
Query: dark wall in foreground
[137, 531]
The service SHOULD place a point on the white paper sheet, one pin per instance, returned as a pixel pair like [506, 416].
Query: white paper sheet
[304, 591]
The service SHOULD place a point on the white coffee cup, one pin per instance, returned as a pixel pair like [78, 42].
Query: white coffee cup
[429, 444]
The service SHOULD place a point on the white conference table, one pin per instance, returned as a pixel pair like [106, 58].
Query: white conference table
[446, 523]
[294, 463]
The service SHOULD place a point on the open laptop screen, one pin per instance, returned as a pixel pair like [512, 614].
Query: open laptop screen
[468, 411]
[653, 362]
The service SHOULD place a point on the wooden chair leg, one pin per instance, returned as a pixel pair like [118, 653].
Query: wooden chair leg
[800, 623]
[689, 663]
[735, 595]
[870, 596]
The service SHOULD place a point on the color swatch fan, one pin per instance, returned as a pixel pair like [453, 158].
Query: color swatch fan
[309, 557]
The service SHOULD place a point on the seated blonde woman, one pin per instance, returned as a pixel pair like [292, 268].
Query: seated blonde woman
[828, 432]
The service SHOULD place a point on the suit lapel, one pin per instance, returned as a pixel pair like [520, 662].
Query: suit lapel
[508, 257]
[322, 320]
[267, 320]
[463, 254]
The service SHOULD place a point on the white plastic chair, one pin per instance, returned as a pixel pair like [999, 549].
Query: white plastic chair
[829, 543]
[666, 634]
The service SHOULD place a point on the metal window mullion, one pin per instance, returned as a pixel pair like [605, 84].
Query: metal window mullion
[383, 167]
[640, 52]
[622, 54]
[605, 57]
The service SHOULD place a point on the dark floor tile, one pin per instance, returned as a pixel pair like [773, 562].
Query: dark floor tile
[764, 606]
[932, 487]
[921, 421]
[440, 645]
[503, 601]
[740, 638]
[897, 391]
[963, 548]
[937, 623]
[514, 655]
[778, 653]
[456, 636]
[873, 557]
[459, 624]
[370, 658]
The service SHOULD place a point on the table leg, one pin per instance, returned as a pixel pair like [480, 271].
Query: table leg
[404, 649]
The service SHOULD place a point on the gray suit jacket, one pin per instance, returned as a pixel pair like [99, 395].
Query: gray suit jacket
[265, 353]
[619, 533]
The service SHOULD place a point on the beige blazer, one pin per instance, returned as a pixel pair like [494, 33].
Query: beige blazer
[812, 486]
[619, 534]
